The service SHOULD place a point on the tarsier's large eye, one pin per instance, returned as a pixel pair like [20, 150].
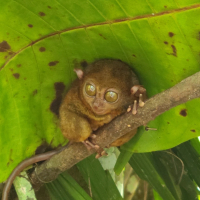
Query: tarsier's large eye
[90, 89]
[111, 96]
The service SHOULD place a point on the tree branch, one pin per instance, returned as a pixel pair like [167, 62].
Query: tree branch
[184, 91]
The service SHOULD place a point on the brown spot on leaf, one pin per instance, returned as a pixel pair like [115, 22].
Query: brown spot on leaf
[42, 14]
[174, 50]
[84, 64]
[133, 55]
[19, 65]
[193, 130]
[59, 88]
[11, 69]
[171, 34]
[165, 42]
[30, 25]
[53, 63]
[49, 7]
[35, 92]
[42, 49]
[168, 123]
[165, 6]
[5, 57]
[102, 36]
[183, 112]
[16, 75]
[4, 46]
[25, 78]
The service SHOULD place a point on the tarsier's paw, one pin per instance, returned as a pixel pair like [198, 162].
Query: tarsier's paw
[91, 145]
[140, 92]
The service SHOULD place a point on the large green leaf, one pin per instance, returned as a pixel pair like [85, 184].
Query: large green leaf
[42, 41]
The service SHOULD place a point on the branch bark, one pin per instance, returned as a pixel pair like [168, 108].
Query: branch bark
[184, 91]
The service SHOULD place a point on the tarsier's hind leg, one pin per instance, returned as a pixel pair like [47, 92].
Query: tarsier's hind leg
[77, 129]
[74, 127]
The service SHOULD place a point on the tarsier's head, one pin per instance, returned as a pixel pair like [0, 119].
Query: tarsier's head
[106, 85]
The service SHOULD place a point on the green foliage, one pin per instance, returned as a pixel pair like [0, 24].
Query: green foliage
[172, 177]
[99, 182]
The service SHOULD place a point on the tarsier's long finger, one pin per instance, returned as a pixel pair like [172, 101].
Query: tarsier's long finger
[95, 146]
[134, 110]
[141, 102]
[98, 156]
[102, 153]
[89, 145]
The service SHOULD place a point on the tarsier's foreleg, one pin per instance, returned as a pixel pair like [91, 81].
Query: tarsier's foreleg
[77, 129]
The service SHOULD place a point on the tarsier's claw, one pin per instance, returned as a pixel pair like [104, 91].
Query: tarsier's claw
[134, 110]
[141, 102]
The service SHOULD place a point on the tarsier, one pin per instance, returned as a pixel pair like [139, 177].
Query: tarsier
[102, 91]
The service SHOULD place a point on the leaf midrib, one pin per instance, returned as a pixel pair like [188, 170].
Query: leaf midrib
[102, 23]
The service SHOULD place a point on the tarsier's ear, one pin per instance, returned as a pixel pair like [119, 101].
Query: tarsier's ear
[134, 89]
[79, 73]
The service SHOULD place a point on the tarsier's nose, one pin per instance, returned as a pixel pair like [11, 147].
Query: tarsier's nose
[98, 103]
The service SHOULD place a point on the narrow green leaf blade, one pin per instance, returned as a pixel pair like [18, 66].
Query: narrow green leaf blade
[99, 181]
[143, 164]
[65, 187]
